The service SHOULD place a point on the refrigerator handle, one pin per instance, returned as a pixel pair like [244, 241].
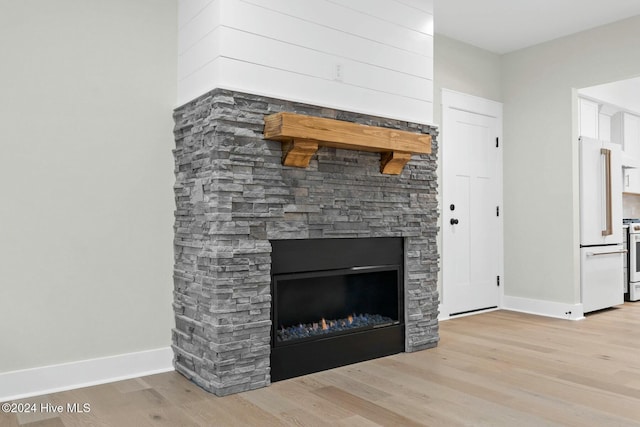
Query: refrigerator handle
[608, 231]
[624, 251]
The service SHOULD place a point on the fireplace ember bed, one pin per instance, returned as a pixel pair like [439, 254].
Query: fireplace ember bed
[335, 302]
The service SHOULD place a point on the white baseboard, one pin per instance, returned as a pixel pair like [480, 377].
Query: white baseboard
[50, 379]
[543, 308]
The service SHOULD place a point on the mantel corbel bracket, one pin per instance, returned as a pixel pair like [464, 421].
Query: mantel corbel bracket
[392, 163]
[301, 136]
[298, 152]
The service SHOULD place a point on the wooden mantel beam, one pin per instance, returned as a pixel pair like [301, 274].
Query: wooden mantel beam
[304, 134]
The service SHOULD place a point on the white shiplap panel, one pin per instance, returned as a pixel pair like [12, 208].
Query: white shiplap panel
[394, 12]
[237, 75]
[200, 82]
[279, 55]
[205, 51]
[201, 25]
[351, 22]
[250, 18]
[423, 5]
[290, 49]
[189, 9]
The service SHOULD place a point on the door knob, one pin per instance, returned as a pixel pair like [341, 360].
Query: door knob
[453, 221]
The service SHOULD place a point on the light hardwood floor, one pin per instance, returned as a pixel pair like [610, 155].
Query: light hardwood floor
[495, 369]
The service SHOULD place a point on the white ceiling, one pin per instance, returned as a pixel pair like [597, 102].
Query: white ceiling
[502, 26]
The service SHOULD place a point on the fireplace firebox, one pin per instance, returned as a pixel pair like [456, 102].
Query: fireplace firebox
[335, 302]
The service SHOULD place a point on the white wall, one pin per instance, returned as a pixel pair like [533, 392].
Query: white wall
[541, 153]
[464, 68]
[86, 180]
[291, 49]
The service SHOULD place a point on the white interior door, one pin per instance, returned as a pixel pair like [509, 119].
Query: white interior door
[471, 217]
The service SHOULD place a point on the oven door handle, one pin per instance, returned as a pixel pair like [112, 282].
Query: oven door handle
[624, 251]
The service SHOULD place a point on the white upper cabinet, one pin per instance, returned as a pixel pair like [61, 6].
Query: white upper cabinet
[604, 127]
[589, 117]
[625, 130]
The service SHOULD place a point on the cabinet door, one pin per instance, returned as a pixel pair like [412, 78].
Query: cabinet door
[589, 119]
[631, 181]
[604, 125]
[631, 136]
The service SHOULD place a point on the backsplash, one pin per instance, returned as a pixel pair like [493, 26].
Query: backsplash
[630, 206]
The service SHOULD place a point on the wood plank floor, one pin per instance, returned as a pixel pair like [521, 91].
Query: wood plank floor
[495, 369]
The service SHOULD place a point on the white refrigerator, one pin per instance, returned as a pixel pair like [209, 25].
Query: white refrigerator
[601, 249]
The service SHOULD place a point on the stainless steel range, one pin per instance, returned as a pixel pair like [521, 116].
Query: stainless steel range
[633, 291]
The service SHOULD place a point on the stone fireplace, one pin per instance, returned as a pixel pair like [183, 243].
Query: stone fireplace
[236, 201]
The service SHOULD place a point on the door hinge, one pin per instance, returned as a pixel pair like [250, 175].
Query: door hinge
[497, 142]
[497, 210]
[498, 280]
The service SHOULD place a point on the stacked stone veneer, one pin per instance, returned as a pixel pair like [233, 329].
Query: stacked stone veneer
[233, 195]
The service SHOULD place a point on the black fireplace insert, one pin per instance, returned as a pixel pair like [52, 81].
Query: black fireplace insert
[335, 302]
